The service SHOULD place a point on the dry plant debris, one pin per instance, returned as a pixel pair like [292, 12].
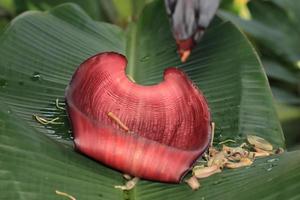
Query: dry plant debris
[216, 159]
[65, 195]
[231, 158]
[130, 184]
[54, 121]
[44, 121]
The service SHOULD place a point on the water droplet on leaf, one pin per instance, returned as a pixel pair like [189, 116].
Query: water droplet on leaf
[36, 76]
[269, 169]
[270, 166]
[3, 83]
[217, 182]
[272, 160]
[145, 58]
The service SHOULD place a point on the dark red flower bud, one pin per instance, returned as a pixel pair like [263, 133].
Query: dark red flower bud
[160, 129]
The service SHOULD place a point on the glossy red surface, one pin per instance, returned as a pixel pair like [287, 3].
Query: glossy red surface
[183, 45]
[170, 121]
[184, 48]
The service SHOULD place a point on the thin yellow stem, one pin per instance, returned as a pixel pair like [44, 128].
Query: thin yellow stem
[65, 194]
[118, 121]
[212, 133]
[46, 122]
[130, 78]
[226, 141]
[58, 106]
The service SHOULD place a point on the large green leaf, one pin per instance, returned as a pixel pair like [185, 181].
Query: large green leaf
[40, 51]
[275, 29]
[32, 166]
[224, 66]
[116, 11]
[276, 34]
[92, 7]
[275, 24]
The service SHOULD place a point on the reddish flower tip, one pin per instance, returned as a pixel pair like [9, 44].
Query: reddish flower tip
[184, 48]
[168, 123]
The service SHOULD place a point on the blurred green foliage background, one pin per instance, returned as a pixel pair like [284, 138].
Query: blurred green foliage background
[272, 26]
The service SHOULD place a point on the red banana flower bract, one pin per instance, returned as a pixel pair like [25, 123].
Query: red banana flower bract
[169, 122]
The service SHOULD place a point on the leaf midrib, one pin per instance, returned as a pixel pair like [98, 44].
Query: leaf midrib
[131, 47]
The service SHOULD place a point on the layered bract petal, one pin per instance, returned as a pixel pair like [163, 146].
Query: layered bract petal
[169, 122]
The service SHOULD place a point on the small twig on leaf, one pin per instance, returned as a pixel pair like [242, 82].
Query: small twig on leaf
[58, 106]
[128, 185]
[45, 121]
[65, 194]
[226, 141]
[130, 78]
[212, 133]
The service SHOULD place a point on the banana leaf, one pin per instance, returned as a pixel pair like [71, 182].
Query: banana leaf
[39, 52]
